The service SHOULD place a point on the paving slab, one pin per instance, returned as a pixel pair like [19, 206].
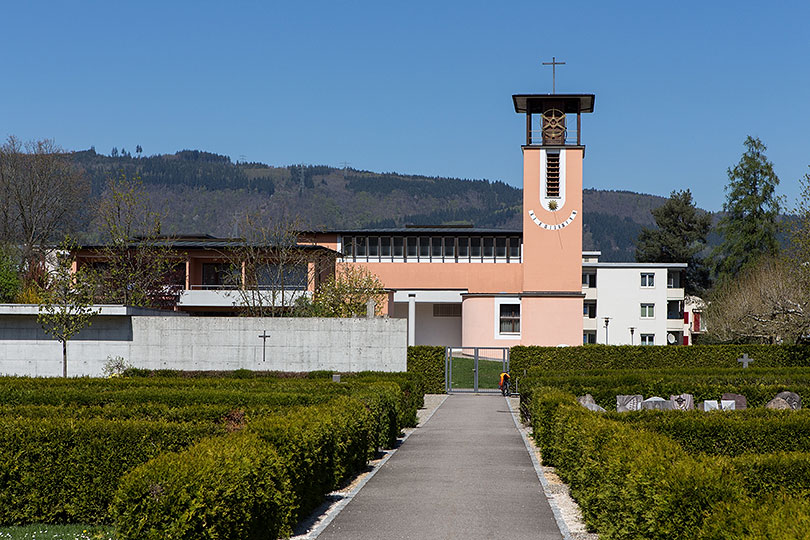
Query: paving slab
[464, 474]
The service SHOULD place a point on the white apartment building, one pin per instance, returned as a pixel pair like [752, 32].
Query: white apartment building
[633, 303]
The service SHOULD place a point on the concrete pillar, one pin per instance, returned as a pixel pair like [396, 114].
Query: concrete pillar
[411, 319]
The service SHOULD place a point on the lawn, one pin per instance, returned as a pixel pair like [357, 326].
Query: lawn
[488, 372]
[57, 532]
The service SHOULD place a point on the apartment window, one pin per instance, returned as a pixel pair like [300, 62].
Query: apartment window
[373, 246]
[463, 248]
[475, 247]
[413, 247]
[510, 319]
[347, 246]
[385, 246]
[447, 310]
[589, 310]
[398, 248]
[647, 311]
[648, 339]
[514, 249]
[588, 338]
[674, 309]
[673, 280]
[589, 280]
[647, 279]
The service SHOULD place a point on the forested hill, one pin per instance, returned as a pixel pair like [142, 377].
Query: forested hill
[202, 192]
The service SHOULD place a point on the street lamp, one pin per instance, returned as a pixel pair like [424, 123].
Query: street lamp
[607, 322]
[632, 331]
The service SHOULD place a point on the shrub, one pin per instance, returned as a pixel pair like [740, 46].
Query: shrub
[429, 363]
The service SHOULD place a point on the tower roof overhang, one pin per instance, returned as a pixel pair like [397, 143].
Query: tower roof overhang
[538, 103]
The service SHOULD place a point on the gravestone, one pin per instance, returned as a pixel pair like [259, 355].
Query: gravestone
[709, 405]
[683, 402]
[656, 403]
[740, 402]
[728, 405]
[589, 403]
[778, 404]
[792, 398]
[629, 403]
[744, 360]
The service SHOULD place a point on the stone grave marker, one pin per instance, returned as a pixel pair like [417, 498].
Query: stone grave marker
[709, 405]
[589, 403]
[792, 398]
[778, 404]
[740, 401]
[657, 403]
[728, 405]
[629, 403]
[683, 402]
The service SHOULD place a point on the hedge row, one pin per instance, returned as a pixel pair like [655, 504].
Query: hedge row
[428, 361]
[759, 385]
[54, 470]
[727, 434]
[637, 357]
[255, 484]
[637, 484]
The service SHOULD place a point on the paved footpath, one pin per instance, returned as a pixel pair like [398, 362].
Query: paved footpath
[464, 474]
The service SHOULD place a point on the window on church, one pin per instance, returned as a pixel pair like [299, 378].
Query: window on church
[449, 247]
[489, 248]
[514, 248]
[510, 319]
[360, 246]
[413, 247]
[385, 246]
[373, 246]
[475, 247]
[500, 248]
[447, 310]
[424, 247]
[463, 248]
[398, 251]
[347, 246]
[436, 251]
[552, 175]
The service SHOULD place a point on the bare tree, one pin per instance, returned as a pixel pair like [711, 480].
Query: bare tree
[41, 195]
[137, 266]
[347, 293]
[767, 303]
[271, 269]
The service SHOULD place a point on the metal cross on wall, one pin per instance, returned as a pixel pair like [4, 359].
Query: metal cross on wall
[744, 360]
[553, 65]
[264, 335]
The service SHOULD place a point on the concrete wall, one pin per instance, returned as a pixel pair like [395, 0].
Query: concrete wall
[207, 343]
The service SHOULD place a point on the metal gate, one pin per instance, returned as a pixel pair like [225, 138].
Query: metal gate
[474, 369]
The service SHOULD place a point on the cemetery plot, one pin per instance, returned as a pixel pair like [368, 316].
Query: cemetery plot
[140, 451]
[681, 454]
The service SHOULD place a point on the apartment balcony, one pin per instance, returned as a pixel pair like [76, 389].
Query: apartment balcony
[675, 293]
[590, 324]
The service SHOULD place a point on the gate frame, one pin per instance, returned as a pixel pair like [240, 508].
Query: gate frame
[448, 368]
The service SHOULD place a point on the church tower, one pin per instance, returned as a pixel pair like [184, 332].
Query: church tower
[551, 301]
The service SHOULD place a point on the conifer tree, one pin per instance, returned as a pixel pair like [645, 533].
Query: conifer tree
[750, 225]
[679, 237]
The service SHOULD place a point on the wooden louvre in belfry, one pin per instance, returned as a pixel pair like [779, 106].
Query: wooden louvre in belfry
[552, 175]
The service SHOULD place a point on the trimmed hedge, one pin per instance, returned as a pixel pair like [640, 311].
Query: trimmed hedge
[265, 479]
[57, 470]
[637, 357]
[633, 483]
[428, 361]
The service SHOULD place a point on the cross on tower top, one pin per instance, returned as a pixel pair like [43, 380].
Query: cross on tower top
[553, 65]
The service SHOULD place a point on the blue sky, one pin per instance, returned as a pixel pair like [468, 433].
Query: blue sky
[418, 87]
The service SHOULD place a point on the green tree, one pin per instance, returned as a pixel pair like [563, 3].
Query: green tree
[679, 237]
[749, 226]
[66, 302]
[9, 276]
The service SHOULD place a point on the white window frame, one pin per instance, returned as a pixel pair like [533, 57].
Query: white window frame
[649, 338]
[497, 316]
[648, 280]
[645, 313]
